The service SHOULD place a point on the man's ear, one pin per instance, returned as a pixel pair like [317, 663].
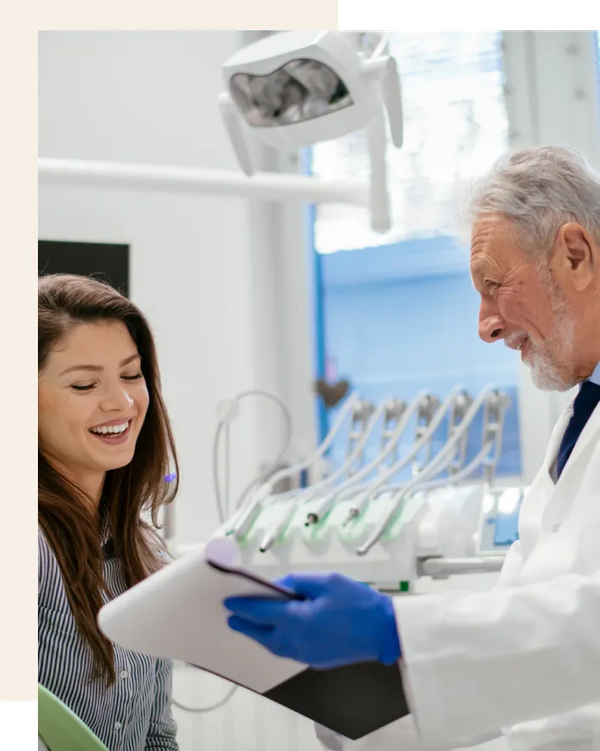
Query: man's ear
[576, 256]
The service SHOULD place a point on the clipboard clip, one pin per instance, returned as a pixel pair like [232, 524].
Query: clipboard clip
[223, 555]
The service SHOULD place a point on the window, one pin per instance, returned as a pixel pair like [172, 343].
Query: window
[455, 126]
[398, 312]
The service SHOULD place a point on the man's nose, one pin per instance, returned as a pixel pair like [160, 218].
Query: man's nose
[491, 328]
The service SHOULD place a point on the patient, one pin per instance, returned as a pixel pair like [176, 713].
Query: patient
[105, 448]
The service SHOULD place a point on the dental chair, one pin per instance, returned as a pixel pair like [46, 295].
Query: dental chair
[59, 729]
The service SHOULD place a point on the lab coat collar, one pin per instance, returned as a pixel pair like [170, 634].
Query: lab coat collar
[583, 440]
[595, 377]
[589, 430]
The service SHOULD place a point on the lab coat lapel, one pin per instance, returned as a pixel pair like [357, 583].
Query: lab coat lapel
[556, 438]
[587, 434]
[541, 490]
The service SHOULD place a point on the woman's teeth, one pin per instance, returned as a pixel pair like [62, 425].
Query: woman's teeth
[111, 429]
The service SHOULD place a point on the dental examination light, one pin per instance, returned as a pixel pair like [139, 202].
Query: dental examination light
[289, 90]
[299, 88]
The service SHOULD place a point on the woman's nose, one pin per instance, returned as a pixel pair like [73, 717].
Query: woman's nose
[117, 398]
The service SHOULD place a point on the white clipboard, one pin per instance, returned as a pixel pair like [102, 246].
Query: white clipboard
[178, 613]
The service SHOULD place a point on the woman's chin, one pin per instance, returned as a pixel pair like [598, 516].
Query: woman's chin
[115, 462]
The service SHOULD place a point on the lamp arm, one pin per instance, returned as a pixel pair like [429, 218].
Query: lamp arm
[234, 125]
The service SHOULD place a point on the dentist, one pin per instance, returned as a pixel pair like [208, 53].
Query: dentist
[521, 660]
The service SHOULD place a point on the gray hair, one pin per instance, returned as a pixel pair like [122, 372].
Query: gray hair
[538, 190]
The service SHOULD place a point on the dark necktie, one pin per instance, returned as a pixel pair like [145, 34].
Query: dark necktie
[583, 406]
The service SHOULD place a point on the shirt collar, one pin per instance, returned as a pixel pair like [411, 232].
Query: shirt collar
[595, 377]
[104, 531]
[106, 542]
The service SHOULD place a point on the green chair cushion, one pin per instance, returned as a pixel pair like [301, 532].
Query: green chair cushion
[60, 728]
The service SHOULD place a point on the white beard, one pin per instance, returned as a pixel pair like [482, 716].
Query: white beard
[545, 371]
[545, 374]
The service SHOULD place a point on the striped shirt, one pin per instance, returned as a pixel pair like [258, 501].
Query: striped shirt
[134, 714]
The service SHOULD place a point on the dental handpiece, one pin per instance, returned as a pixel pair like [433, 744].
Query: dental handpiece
[244, 519]
[350, 486]
[272, 535]
[319, 511]
[357, 508]
[358, 408]
[361, 407]
[327, 503]
[426, 435]
[247, 515]
[443, 458]
[364, 499]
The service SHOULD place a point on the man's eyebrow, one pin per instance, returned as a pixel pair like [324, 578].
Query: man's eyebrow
[98, 368]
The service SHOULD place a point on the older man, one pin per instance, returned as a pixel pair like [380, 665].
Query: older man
[523, 659]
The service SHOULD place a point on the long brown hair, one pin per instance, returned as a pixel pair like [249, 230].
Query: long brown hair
[69, 522]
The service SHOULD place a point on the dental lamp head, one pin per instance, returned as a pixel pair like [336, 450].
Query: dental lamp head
[297, 88]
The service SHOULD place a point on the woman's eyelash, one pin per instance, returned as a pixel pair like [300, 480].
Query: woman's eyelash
[92, 385]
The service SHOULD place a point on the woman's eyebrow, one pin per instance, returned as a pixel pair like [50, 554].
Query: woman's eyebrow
[97, 368]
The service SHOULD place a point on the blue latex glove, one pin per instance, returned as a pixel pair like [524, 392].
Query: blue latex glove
[341, 622]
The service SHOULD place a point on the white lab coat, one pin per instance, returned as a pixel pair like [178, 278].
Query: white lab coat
[522, 660]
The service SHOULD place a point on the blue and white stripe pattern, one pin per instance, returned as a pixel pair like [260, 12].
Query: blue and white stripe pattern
[134, 714]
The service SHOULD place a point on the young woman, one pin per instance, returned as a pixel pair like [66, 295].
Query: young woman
[105, 449]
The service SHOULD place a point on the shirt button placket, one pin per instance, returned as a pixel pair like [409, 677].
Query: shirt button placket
[123, 688]
[119, 737]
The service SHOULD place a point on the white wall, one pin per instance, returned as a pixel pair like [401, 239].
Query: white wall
[203, 269]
